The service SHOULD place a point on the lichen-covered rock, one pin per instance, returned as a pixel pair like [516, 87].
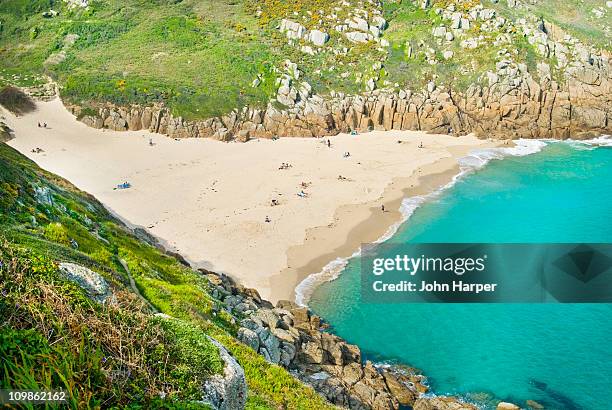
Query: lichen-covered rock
[293, 30]
[92, 121]
[227, 391]
[271, 345]
[249, 338]
[93, 283]
[43, 195]
[318, 38]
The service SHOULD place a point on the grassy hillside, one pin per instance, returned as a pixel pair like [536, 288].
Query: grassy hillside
[54, 336]
[580, 18]
[199, 56]
[202, 57]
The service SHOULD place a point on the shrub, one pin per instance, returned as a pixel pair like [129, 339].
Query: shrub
[56, 232]
[189, 357]
[16, 101]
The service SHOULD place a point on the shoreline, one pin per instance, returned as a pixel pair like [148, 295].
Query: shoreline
[361, 223]
[425, 185]
[207, 200]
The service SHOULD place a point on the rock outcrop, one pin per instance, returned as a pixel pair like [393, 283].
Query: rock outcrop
[291, 336]
[6, 133]
[442, 403]
[227, 392]
[93, 283]
[509, 103]
[565, 91]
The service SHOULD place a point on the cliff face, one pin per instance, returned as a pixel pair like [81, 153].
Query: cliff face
[292, 337]
[507, 104]
[541, 82]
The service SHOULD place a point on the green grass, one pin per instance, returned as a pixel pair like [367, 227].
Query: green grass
[573, 16]
[410, 28]
[199, 57]
[53, 336]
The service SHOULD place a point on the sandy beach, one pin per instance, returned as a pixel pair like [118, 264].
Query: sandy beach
[209, 200]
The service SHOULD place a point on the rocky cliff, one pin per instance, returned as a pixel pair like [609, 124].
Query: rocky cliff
[516, 106]
[292, 337]
[563, 90]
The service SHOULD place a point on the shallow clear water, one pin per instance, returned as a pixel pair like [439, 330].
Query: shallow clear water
[558, 355]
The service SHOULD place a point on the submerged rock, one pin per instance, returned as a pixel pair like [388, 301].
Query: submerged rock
[442, 403]
[507, 406]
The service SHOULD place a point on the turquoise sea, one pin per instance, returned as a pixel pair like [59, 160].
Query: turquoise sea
[559, 355]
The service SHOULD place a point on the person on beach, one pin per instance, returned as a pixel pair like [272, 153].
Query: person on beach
[382, 207]
[421, 144]
[150, 142]
[328, 143]
[267, 219]
[347, 154]
[39, 125]
[44, 125]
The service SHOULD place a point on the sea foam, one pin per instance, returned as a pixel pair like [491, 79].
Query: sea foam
[475, 160]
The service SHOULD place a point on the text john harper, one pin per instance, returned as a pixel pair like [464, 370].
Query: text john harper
[454, 286]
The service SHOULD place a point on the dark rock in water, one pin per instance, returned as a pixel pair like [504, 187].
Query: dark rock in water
[538, 384]
[561, 399]
[564, 401]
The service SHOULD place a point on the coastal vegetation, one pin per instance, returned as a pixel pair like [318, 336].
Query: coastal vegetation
[104, 313]
[206, 58]
[56, 333]
[198, 57]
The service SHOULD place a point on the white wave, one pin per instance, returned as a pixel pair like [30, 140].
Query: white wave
[472, 162]
[330, 272]
[603, 141]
